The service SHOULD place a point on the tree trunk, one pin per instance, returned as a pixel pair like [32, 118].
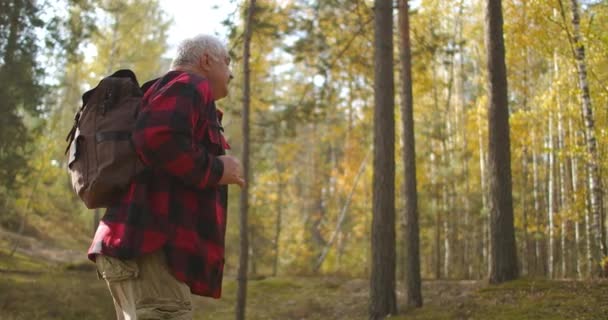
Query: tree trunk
[382, 282]
[468, 262]
[252, 269]
[503, 259]
[461, 115]
[525, 260]
[537, 209]
[244, 200]
[574, 200]
[277, 230]
[15, 28]
[450, 228]
[435, 208]
[435, 163]
[594, 178]
[485, 225]
[411, 238]
[445, 208]
[588, 232]
[563, 191]
[551, 200]
[524, 209]
[96, 218]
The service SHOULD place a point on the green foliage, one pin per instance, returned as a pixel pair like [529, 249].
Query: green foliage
[22, 90]
[41, 197]
[133, 35]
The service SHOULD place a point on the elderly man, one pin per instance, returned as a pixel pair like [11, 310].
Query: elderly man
[165, 239]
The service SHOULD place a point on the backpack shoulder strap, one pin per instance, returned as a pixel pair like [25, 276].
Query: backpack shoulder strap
[146, 86]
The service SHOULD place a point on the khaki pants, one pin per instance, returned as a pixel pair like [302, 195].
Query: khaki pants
[143, 288]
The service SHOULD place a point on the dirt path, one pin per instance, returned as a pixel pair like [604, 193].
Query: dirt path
[40, 249]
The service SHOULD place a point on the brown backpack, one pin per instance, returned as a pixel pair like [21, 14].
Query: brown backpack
[101, 157]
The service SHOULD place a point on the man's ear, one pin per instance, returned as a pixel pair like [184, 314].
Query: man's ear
[205, 62]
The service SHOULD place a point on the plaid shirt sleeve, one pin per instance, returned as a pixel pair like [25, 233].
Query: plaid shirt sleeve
[163, 136]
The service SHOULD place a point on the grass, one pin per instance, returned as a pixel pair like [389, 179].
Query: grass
[19, 261]
[525, 299]
[32, 289]
[54, 295]
[288, 298]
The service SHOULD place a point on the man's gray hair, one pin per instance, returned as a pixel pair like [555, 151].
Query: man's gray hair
[189, 51]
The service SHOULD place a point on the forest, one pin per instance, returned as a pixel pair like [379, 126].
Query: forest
[419, 159]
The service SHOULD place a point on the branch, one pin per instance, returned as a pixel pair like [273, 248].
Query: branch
[340, 53]
[565, 21]
[342, 215]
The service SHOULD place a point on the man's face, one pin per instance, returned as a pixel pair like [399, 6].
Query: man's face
[217, 70]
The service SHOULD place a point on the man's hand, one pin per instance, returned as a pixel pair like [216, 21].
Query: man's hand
[233, 171]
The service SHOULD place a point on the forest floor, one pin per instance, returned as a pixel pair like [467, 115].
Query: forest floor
[46, 284]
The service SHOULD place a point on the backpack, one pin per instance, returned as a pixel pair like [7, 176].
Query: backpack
[101, 157]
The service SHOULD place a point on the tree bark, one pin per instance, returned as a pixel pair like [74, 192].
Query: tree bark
[435, 208]
[435, 164]
[485, 225]
[277, 230]
[382, 282]
[588, 230]
[594, 178]
[536, 187]
[525, 260]
[15, 28]
[411, 238]
[503, 259]
[445, 208]
[244, 199]
[551, 200]
[524, 209]
[574, 198]
[449, 223]
[563, 191]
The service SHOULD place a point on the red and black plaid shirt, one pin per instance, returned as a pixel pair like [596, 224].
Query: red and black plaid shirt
[176, 204]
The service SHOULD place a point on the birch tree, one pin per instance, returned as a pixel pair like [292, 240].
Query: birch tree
[593, 179]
